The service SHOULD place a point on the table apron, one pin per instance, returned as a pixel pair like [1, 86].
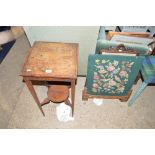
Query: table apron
[48, 79]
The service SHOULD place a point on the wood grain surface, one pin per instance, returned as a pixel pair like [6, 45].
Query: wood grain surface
[50, 59]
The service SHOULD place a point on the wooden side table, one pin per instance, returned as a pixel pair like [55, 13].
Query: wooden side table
[49, 61]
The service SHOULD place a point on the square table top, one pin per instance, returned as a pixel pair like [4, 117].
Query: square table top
[51, 59]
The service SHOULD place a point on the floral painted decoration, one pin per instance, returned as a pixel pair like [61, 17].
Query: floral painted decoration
[111, 76]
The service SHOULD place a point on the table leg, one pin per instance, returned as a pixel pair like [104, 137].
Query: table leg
[139, 91]
[72, 95]
[33, 93]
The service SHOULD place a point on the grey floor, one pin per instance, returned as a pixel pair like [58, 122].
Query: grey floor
[19, 110]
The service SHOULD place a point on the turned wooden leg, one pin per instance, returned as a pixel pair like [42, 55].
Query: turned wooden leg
[33, 93]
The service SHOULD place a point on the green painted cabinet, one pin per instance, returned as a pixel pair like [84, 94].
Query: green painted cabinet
[86, 36]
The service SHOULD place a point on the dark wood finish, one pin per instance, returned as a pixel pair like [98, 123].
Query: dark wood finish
[86, 96]
[48, 61]
[58, 93]
[118, 52]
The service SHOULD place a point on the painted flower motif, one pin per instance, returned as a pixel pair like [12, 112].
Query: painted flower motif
[97, 61]
[122, 73]
[131, 63]
[96, 77]
[102, 71]
[127, 76]
[115, 63]
[126, 80]
[103, 61]
[117, 78]
[95, 85]
[112, 82]
[100, 66]
[111, 76]
[121, 89]
[110, 68]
